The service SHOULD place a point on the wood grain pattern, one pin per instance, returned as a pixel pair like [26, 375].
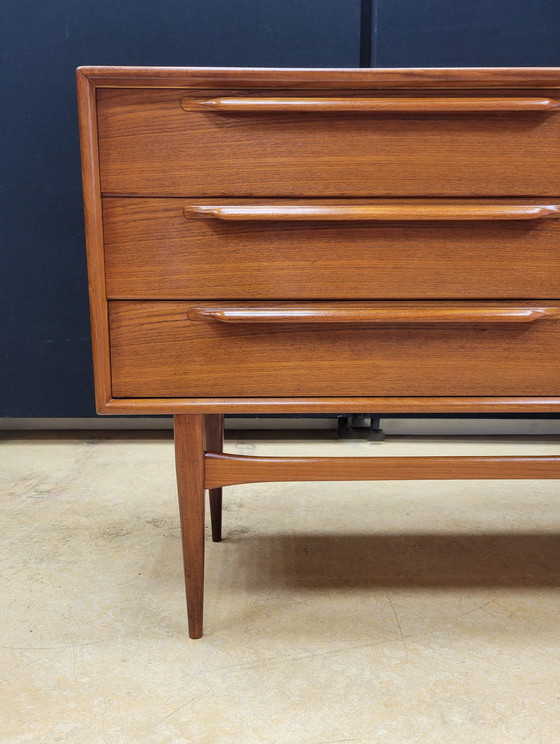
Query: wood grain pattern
[394, 211]
[353, 104]
[150, 146]
[189, 462]
[87, 117]
[157, 351]
[153, 252]
[408, 404]
[359, 79]
[371, 314]
[229, 470]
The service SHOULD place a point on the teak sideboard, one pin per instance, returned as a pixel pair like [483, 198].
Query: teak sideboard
[296, 241]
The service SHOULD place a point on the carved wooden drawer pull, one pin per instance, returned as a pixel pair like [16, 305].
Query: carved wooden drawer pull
[420, 105]
[374, 212]
[369, 314]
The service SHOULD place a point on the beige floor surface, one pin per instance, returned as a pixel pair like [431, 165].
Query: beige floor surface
[396, 613]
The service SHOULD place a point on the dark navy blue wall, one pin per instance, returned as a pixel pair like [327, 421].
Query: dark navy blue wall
[44, 327]
[44, 342]
[466, 33]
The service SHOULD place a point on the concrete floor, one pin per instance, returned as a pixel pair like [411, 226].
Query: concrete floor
[396, 613]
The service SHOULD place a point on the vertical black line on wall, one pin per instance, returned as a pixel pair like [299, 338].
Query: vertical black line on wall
[366, 29]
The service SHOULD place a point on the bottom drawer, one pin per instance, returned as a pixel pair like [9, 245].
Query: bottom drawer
[252, 349]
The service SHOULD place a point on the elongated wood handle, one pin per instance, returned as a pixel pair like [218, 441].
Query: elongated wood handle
[420, 105]
[372, 212]
[376, 315]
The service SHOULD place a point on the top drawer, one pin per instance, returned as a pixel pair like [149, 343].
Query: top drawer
[173, 142]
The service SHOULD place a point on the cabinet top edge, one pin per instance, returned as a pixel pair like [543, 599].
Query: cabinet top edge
[271, 77]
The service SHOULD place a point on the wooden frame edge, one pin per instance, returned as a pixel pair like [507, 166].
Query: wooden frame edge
[259, 77]
[172, 406]
[93, 217]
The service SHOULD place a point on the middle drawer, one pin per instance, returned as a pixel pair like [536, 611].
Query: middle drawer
[331, 248]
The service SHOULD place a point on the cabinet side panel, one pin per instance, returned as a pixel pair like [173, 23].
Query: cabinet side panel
[94, 239]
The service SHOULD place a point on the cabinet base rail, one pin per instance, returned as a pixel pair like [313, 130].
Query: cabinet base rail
[229, 470]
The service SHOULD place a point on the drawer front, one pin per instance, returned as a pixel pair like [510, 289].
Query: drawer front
[182, 349]
[171, 142]
[264, 249]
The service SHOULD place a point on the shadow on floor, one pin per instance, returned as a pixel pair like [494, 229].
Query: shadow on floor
[392, 560]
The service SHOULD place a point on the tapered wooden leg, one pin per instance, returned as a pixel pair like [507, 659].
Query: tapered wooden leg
[214, 424]
[189, 462]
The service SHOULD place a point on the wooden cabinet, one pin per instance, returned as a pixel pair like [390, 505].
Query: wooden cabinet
[320, 240]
